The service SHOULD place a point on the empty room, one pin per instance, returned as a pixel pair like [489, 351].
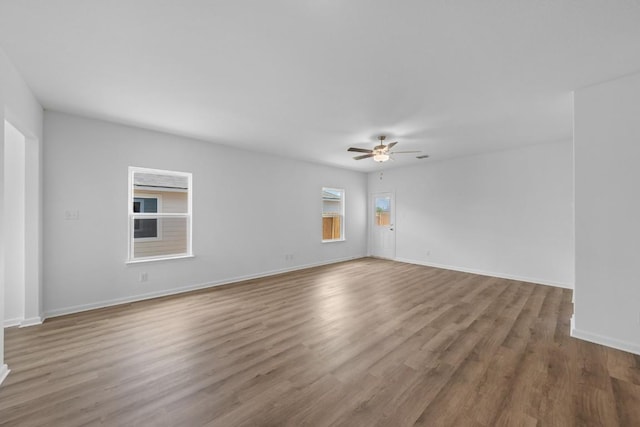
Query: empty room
[320, 213]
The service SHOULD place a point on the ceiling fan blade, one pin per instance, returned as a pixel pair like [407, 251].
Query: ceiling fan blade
[364, 156]
[404, 152]
[391, 144]
[360, 150]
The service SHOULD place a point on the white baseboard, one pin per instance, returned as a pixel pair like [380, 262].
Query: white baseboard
[33, 321]
[9, 323]
[23, 322]
[4, 371]
[188, 288]
[606, 341]
[573, 324]
[488, 273]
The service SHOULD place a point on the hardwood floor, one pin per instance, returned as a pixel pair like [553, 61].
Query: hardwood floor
[362, 343]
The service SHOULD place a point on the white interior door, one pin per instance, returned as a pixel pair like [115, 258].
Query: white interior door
[383, 225]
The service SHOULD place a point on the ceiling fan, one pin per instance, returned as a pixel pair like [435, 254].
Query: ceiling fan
[380, 153]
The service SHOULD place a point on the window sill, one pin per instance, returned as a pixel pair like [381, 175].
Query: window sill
[147, 239]
[165, 258]
[333, 240]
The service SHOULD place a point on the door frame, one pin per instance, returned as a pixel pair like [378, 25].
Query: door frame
[33, 216]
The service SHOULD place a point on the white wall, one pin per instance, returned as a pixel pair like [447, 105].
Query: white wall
[506, 214]
[237, 229]
[19, 106]
[14, 220]
[607, 157]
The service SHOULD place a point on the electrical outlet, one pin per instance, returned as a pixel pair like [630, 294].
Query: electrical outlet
[143, 277]
[72, 214]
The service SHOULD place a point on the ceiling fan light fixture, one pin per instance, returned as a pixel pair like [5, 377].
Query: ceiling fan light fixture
[381, 157]
[380, 153]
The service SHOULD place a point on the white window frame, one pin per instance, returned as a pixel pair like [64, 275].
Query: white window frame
[158, 198]
[159, 215]
[342, 213]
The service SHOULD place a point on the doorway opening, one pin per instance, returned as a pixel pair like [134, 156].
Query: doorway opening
[14, 225]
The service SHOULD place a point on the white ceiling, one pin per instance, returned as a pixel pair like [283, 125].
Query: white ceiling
[309, 78]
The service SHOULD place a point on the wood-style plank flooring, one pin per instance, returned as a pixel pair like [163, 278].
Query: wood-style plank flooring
[361, 343]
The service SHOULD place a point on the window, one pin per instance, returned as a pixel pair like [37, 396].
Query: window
[159, 209]
[332, 214]
[383, 211]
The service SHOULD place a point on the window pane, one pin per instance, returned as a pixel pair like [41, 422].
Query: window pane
[171, 192]
[160, 180]
[172, 239]
[331, 227]
[331, 201]
[383, 210]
